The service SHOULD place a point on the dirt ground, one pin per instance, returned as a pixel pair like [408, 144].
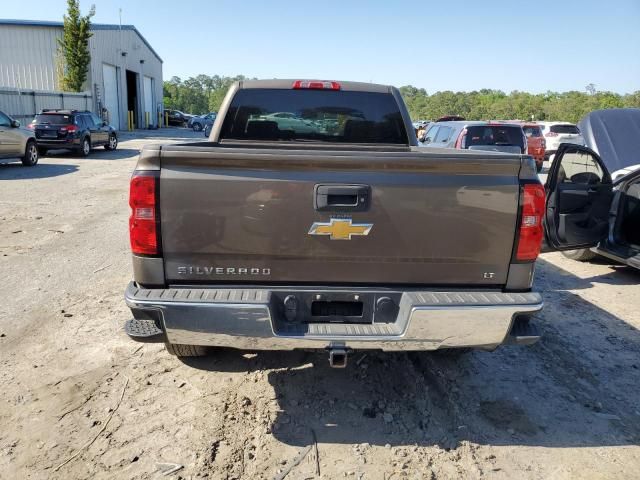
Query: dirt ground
[565, 408]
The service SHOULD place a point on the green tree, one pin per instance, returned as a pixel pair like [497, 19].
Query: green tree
[197, 95]
[74, 47]
[632, 100]
[205, 93]
[488, 104]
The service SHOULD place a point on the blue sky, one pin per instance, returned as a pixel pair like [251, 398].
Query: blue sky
[532, 46]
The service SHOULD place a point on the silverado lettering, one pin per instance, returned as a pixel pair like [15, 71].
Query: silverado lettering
[189, 270]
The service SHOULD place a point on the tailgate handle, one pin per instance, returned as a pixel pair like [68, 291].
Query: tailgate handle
[342, 198]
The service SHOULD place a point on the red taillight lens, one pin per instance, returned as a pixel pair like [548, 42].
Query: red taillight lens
[551, 134]
[31, 126]
[143, 228]
[315, 85]
[69, 129]
[530, 230]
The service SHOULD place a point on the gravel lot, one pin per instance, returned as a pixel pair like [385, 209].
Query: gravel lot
[565, 408]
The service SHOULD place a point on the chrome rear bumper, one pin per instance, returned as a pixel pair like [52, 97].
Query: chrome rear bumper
[245, 319]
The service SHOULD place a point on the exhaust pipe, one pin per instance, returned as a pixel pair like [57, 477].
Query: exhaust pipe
[338, 357]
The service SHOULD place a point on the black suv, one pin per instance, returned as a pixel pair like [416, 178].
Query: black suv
[176, 117]
[72, 129]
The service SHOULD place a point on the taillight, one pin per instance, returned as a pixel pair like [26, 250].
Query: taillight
[31, 126]
[530, 230]
[69, 129]
[551, 134]
[143, 225]
[460, 142]
[315, 85]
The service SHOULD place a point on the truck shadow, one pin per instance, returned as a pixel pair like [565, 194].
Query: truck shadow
[16, 171]
[97, 154]
[578, 387]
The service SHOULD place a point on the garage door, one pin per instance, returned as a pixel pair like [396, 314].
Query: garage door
[148, 99]
[111, 103]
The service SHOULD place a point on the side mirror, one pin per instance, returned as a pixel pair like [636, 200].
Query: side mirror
[104, 124]
[15, 123]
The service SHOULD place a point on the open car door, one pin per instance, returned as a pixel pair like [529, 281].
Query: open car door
[579, 194]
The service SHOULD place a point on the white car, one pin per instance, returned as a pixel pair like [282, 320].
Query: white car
[556, 133]
[290, 121]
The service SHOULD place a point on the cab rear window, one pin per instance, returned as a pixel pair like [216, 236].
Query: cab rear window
[314, 116]
[54, 119]
[532, 132]
[572, 129]
[494, 135]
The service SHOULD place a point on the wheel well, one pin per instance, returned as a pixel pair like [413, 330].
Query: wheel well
[30, 141]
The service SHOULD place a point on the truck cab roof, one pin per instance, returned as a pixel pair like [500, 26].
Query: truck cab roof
[287, 84]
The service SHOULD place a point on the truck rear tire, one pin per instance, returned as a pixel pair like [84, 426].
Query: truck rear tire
[180, 350]
[582, 255]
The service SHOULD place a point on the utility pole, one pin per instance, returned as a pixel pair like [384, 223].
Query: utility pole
[120, 29]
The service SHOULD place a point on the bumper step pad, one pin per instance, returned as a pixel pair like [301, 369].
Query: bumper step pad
[144, 330]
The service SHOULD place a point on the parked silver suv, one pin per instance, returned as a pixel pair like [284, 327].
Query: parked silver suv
[17, 142]
[476, 135]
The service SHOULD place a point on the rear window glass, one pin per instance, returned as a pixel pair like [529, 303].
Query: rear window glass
[532, 131]
[431, 133]
[497, 135]
[564, 129]
[314, 115]
[443, 135]
[54, 119]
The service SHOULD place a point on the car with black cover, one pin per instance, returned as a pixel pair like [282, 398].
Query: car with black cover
[598, 200]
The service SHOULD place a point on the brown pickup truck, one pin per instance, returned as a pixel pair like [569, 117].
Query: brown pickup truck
[312, 219]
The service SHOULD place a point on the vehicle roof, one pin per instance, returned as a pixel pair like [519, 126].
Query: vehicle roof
[286, 84]
[555, 123]
[614, 134]
[467, 123]
[522, 123]
[61, 112]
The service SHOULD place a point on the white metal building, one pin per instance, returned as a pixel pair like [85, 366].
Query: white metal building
[125, 72]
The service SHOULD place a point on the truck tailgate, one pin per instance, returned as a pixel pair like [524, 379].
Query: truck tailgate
[235, 215]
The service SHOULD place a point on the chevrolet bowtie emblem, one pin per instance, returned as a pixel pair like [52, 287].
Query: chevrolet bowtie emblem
[340, 228]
